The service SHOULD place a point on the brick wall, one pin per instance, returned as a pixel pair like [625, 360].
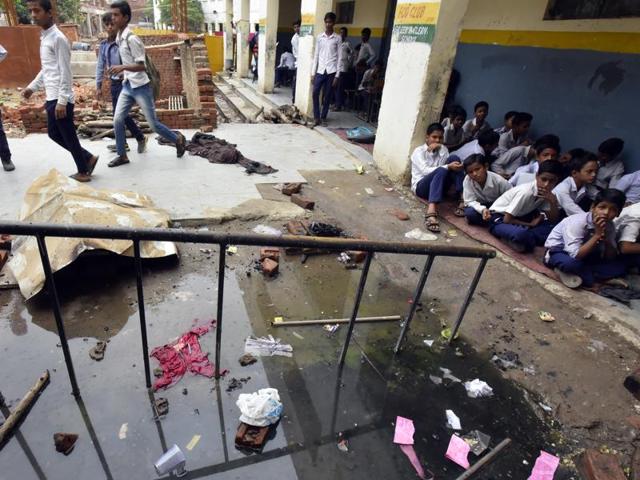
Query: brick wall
[149, 40]
[170, 73]
[34, 119]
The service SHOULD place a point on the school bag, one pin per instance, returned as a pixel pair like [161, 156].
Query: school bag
[151, 71]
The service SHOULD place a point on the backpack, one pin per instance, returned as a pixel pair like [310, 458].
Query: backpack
[151, 71]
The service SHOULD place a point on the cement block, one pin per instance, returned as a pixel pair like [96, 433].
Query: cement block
[303, 202]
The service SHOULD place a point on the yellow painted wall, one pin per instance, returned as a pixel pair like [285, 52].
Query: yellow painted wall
[368, 13]
[215, 51]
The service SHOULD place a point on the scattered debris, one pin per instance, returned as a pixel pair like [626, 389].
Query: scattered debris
[269, 267]
[436, 380]
[291, 188]
[389, 189]
[403, 436]
[446, 333]
[303, 202]
[185, 391]
[452, 233]
[232, 250]
[400, 214]
[588, 316]
[448, 376]
[297, 335]
[157, 372]
[251, 437]
[458, 451]
[65, 442]
[331, 329]
[597, 346]
[477, 441]
[236, 383]
[478, 389]
[124, 428]
[193, 442]
[267, 346]
[319, 229]
[343, 443]
[546, 408]
[360, 169]
[546, 316]
[272, 253]
[247, 359]
[369, 191]
[545, 466]
[161, 406]
[172, 460]
[506, 360]
[453, 422]
[261, 408]
[266, 230]
[417, 234]
[97, 352]
[428, 343]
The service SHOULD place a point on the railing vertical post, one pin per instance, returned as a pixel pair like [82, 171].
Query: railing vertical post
[467, 298]
[356, 306]
[141, 311]
[221, 269]
[51, 285]
[416, 299]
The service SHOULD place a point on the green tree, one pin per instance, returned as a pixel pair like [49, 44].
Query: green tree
[68, 11]
[195, 15]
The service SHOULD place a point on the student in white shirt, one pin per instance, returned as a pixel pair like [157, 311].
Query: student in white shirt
[324, 71]
[628, 234]
[286, 67]
[56, 79]
[524, 216]
[611, 167]
[630, 186]
[453, 134]
[545, 148]
[507, 125]
[295, 41]
[432, 172]
[480, 189]
[518, 135]
[473, 127]
[582, 248]
[364, 56]
[5, 153]
[346, 57]
[572, 191]
[484, 145]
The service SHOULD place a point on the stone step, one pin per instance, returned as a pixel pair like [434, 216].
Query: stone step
[237, 101]
[83, 69]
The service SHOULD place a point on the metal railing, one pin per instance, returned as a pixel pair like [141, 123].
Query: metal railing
[223, 240]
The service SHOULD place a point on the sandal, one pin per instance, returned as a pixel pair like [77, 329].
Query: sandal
[431, 222]
[459, 210]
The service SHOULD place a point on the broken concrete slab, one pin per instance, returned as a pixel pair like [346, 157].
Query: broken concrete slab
[254, 209]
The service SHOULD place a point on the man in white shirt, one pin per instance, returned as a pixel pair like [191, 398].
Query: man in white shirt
[324, 71]
[5, 153]
[56, 79]
[136, 87]
[366, 55]
[295, 42]
[285, 68]
[346, 56]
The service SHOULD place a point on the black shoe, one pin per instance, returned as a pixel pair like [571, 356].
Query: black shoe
[142, 144]
[112, 148]
[181, 145]
[316, 122]
[8, 165]
[91, 164]
[116, 162]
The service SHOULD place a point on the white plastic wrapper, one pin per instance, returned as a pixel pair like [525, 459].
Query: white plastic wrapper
[260, 409]
[478, 389]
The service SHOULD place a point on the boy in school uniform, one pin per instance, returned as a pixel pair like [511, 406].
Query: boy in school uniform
[473, 127]
[508, 122]
[630, 186]
[432, 172]
[582, 248]
[523, 216]
[485, 144]
[518, 135]
[628, 235]
[572, 191]
[346, 54]
[453, 134]
[611, 167]
[527, 157]
[324, 71]
[480, 189]
[540, 152]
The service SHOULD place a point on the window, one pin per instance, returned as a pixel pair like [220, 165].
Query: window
[345, 12]
[591, 9]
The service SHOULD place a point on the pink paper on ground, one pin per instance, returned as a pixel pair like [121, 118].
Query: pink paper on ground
[413, 458]
[404, 431]
[458, 451]
[545, 467]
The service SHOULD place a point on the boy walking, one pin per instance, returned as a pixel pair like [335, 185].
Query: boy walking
[109, 56]
[5, 153]
[324, 71]
[56, 79]
[136, 86]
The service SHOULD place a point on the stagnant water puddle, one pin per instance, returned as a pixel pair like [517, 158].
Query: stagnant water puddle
[99, 302]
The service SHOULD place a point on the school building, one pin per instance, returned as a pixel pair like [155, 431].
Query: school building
[574, 65]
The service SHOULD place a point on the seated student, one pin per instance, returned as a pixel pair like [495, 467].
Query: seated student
[284, 71]
[582, 248]
[432, 172]
[611, 167]
[480, 189]
[473, 127]
[518, 135]
[566, 157]
[628, 234]
[545, 148]
[508, 119]
[572, 191]
[508, 163]
[630, 186]
[485, 144]
[451, 112]
[453, 134]
[516, 216]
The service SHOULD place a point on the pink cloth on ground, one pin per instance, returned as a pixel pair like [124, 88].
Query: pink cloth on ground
[458, 451]
[545, 467]
[404, 431]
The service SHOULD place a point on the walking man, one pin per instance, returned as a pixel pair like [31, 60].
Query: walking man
[55, 76]
[295, 41]
[5, 153]
[136, 86]
[109, 56]
[324, 72]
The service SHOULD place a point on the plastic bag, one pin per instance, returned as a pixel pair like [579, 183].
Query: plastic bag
[261, 408]
[267, 230]
[478, 389]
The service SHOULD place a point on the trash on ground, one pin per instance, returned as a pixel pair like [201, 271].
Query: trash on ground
[65, 442]
[410, 452]
[261, 408]
[193, 442]
[247, 359]
[477, 441]
[544, 407]
[297, 335]
[236, 383]
[478, 389]
[266, 230]
[251, 437]
[436, 380]
[546, 316]
[344, 258]
[172, 460]
[331, 328]
[400, 214]
[232, 250]
[97, 352]
[343, 443]
[458, 451]
[452, 233]
[453, 422]
[267, 346]
[319, 229]
[506, 360]
[55, 198]
[161, 406]
[446, 333]
[360, 169]
[181, 356]
[291, 188]
[417, 234]
[369, 191]
[361, 134]
[278, 320]
[446, 374]
[520, 310]
[597, 346]
[545, 467]
[124, 428]
[428, 343]
[388, 189]
[404, 431]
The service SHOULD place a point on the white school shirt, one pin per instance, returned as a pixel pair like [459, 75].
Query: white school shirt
[520, 201]
[509, 161]
[468, 149]
[525, 173]
[451, 137]
[568, 196]
[346, 56]
[423, 162]
[628, 224]
[287, 60]
[366, 53]
[132, 51]
[609, 173]
[501, 130]
[3, 53]
[574, 231]
[55, 75]
[630, 186]
[507, 141]
[295, 40]
[469, 125]
[479, 197]
[328, 55]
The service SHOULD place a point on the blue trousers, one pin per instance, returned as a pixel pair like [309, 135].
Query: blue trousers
[591, 269]
[525, 236]
[474, 218]
[433, 187]
[132, 126]
[143, 96]
[5, 153]
[63, 132]
[322, 82]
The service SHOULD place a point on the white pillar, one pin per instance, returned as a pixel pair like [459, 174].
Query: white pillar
[228, 34]
[267, 45]
[423, 49]
[242, 38]
[89, 27]
[312, 15]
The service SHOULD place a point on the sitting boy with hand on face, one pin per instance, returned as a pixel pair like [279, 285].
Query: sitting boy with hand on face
[517, 216]
[572, 191]
[480, 189]
[582, 248]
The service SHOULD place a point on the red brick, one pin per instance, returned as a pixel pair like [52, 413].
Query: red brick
[294, 227]
[272, 253]
[291, 188]
[303, 202]
[594, 465]
[269, 267]
[5, 241]
[400, 214]
[4, 256]
[206, 128]
[357, 256]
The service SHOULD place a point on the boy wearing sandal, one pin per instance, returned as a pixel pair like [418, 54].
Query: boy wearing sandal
[432, 172]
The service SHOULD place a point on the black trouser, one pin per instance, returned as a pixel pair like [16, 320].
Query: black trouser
[63, 132]
[130, 123]
[5, 153]
[294, 79]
